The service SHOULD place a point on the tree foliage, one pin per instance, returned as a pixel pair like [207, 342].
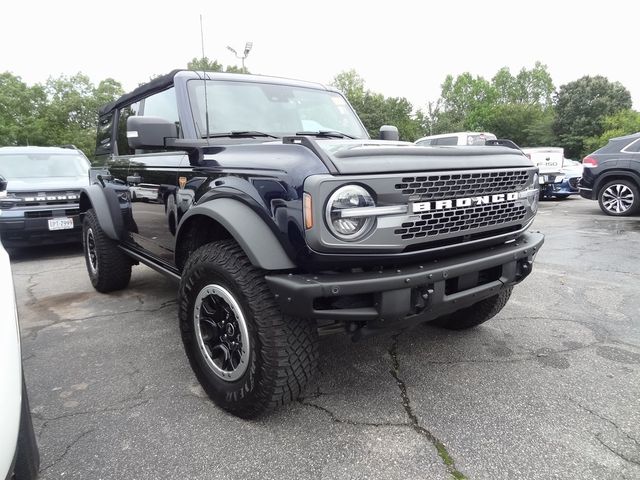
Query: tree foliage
[375, 110]
[581, 107]
[619, 124]
[203, 64]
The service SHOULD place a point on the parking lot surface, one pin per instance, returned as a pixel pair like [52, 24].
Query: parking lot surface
[550, 388]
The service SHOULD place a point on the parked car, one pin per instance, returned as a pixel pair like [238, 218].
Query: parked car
[612, 176]
[40, 204]
[558, 175]
[456, 138]
[19, 457]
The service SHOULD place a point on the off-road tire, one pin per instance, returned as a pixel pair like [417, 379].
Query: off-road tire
[27, 455]
[627, 187]
[283, 350]
[475, 314]
[112, 269]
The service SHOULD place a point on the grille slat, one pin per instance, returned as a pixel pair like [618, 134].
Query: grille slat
[465, 220]
[434, 187]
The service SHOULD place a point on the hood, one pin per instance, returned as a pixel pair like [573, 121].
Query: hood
[379, 156]
[46, 184]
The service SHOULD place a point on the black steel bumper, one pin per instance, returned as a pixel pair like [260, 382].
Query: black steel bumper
[412, 294]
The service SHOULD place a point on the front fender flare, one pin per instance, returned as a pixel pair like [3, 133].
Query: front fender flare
[105, 203]
[247, 228]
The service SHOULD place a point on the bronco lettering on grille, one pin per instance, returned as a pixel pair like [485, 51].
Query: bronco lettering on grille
[419, 207]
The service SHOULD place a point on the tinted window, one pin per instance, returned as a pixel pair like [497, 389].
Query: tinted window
[445, 141]
[162, 105]
[125, 112]
[424, 142]
[43, 165]
[103, 137]
[633, 146]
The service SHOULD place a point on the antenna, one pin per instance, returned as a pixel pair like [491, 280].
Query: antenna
[204, 79]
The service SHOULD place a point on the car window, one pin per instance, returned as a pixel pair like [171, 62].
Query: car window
[633, 147]
[162, 105]
[424, 142]
[43, 165]
[124, 113]
[446, 141]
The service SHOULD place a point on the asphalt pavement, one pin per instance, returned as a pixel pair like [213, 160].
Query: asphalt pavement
[550, 388]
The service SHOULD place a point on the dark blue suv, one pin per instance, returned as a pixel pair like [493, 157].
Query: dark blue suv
[280, 218]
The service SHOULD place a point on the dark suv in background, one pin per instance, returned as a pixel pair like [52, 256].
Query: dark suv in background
[611, 175]
[40, 203]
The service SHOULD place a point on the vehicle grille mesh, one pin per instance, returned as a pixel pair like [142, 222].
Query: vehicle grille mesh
[461, 220]
[432, 187]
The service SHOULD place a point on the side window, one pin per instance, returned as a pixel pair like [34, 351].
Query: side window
[163, 105]
[633, 147]
[103, 136]
[124, 113]
[446, 141]
[425, 142]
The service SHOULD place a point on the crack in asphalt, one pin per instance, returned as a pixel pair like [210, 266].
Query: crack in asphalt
[353, 423]
[607, 420]
[34, 331]
[615, 452]
[67, 449]
[414, 423]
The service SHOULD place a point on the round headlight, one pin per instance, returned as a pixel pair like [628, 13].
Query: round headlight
[349, 227]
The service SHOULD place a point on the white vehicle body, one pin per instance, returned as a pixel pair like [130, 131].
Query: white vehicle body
[547, 159]
[10, 368]
[456, 138]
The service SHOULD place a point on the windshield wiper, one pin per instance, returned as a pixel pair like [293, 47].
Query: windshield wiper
[239, 134]
[327, 134]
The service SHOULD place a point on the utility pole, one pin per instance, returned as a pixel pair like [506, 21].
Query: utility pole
[247, 48]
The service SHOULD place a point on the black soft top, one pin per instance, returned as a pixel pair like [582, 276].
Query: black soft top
[156, 85]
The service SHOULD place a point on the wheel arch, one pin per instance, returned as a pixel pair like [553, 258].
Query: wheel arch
[615, 175]
[226, 218]
[105, 203]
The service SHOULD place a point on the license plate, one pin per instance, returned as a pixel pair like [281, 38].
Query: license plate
[60, 223]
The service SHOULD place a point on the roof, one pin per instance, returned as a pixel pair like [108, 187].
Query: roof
[166, 81]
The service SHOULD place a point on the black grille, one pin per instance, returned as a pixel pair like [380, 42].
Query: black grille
[69, 212]
[464, 220]
[431, 187]
[59, 197]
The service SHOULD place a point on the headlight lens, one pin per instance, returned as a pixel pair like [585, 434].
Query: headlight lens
[347, 197]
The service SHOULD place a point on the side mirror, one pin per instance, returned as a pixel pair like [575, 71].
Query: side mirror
[149, 132]
[3, 186]
[389, 132]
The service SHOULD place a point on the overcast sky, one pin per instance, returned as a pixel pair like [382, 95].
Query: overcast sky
[400, 48]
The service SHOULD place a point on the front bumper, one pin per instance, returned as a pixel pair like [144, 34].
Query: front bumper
[412, 294]
[16, 230]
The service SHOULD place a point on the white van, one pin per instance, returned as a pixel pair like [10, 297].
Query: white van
[457, 138]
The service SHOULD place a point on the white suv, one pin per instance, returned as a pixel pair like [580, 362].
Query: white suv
[457, 138]
[19, 457]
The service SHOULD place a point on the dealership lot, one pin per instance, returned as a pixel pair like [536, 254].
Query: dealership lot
[548, 389]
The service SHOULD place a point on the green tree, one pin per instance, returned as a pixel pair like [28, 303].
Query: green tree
[375, 110]
[581, 107]
[619, 124]
[20, 107]
[204, 64]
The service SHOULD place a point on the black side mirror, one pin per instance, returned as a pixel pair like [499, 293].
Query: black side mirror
[3, 185]
[389, 132]
[149, 132]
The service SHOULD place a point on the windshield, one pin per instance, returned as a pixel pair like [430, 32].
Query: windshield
[272, 109]
[42, 165]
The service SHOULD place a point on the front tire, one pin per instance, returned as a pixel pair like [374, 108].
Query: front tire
[619, 198]
[247, 355]
[477, 313]
[109, 267]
